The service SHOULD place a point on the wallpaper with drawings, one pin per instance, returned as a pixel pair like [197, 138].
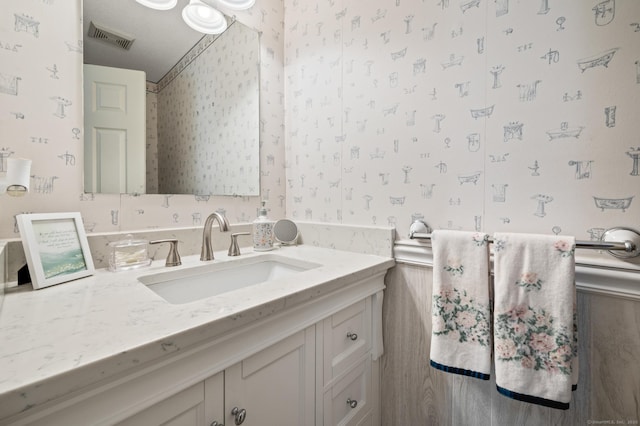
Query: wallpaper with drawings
[491, 115]
[41, 119]
[218, 107]
[152, 138]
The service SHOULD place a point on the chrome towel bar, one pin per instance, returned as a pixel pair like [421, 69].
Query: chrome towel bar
[620, 242]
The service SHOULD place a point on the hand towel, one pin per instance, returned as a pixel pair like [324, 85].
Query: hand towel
[534, 322]
[461, 316]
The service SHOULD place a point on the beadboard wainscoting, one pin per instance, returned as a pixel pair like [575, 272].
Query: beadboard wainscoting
[413, 393]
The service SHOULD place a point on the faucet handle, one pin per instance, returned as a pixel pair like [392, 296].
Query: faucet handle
[173, 258]
[234, 249]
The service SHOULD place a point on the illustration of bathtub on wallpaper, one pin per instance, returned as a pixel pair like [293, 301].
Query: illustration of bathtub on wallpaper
[613, 203]
[397, 201]
[565, 131]
[473, 178]
[482, 112]
[468, 5]
[601, 59]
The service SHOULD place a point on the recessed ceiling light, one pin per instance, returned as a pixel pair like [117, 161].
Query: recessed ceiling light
[159, 4]
[204, 18]
[237, 4]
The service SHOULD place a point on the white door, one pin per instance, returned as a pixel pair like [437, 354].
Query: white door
[115, 126]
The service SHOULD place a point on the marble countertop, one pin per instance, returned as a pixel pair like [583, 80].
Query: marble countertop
[61, 338]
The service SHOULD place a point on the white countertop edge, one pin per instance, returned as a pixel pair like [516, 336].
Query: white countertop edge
[598, 277]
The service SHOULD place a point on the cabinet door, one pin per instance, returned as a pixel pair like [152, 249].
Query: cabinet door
[275, 386]
[214, 400]
[185, 408]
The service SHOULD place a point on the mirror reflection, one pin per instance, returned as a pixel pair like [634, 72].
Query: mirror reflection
[198, 126]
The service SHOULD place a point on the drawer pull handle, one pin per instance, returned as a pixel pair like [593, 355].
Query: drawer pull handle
[239, 414]
[215, 423]
[352, 336]
[352, 403]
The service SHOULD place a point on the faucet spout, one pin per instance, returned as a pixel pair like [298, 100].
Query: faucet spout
[207, 252]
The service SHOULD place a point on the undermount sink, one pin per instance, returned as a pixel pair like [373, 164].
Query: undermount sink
[199, 282]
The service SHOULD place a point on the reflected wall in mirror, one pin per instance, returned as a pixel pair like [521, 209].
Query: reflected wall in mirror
[202, 114]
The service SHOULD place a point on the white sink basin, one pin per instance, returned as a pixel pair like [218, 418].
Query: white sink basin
[190, 284]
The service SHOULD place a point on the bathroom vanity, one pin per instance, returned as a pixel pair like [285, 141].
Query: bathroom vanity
[295, 349]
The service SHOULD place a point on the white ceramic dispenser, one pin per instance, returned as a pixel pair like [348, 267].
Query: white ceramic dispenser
[263, 231]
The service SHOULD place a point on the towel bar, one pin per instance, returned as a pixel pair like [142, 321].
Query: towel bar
[623, 243]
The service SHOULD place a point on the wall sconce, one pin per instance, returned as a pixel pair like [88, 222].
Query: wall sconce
[202, 15]
[16, 181]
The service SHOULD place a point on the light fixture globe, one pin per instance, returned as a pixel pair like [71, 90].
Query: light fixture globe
[159, 4]
[204, 18]
[16, 181]
[237, 4]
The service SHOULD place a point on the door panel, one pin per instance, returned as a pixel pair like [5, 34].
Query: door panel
[115, 130]
[275, 386]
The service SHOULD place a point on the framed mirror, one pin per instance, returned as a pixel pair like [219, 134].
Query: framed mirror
[199, 118]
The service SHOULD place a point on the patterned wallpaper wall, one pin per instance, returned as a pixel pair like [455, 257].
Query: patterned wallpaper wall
[503, 115]
[152, 138]
[493, 115]
[41, 119]
[208, 119]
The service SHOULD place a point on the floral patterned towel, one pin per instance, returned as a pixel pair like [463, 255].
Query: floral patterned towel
[461, 317]
[534, 322]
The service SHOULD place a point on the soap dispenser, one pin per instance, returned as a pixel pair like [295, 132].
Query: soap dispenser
[263, 231]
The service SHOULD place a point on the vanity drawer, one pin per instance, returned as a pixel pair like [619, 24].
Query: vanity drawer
[346, 403]
[347, 336]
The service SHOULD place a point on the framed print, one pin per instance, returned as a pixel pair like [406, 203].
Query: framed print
[55, 246]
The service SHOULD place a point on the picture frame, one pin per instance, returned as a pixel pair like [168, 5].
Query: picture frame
[56, 247]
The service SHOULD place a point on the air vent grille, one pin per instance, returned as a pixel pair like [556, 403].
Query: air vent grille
[110, 36]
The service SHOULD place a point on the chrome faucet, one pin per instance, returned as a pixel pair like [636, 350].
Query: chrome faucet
[207, 252]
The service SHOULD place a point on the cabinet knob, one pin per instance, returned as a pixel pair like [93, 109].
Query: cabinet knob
[352, 336]
[215, 423]
[352, 403]
[239, 415]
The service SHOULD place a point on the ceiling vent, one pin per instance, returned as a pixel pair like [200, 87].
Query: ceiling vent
[108, 35]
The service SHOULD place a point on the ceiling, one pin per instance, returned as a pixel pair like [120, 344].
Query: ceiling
[161, 37]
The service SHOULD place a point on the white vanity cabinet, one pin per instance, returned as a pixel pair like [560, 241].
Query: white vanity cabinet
[277, 386]
[273, 387]
[314, 363]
